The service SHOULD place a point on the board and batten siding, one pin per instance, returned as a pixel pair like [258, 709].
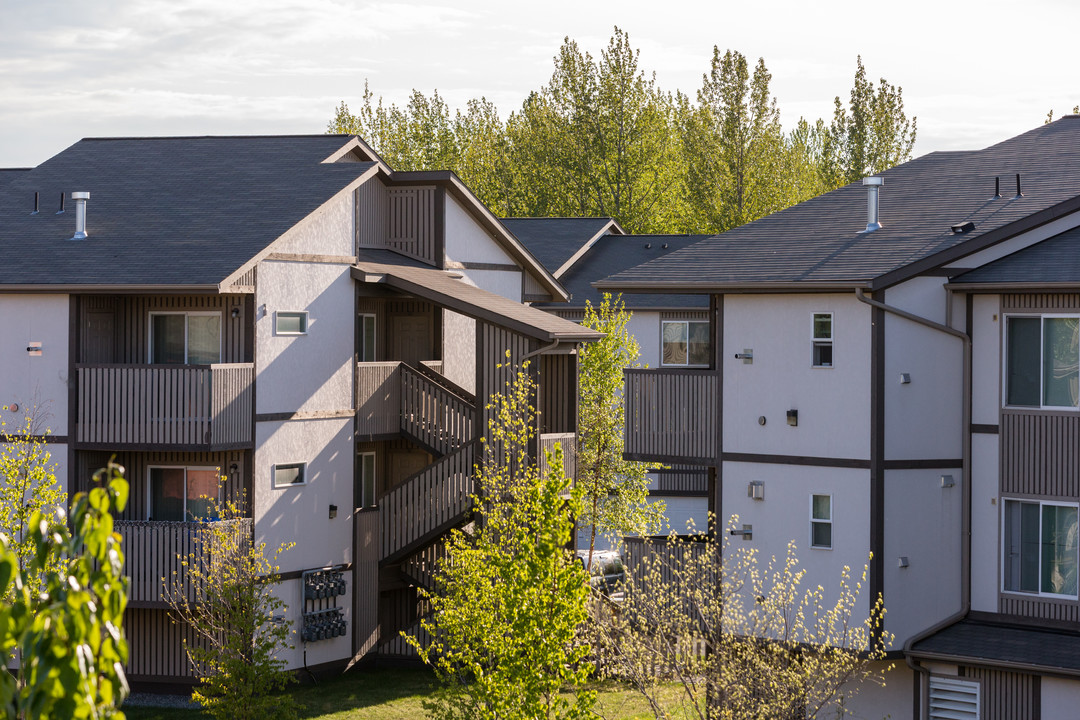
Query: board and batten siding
[372, 209]
[366, 581]
[1006, 695]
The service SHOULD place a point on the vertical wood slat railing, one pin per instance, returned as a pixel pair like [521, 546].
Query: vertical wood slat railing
[378, 401]
[568, 443]
[427, 504]
[193, 405]
[433, 413]
[671, 414]
[154, 550]
[682, 479]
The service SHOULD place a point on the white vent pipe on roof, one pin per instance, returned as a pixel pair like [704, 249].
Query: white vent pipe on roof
[80, 199]
[873, 185]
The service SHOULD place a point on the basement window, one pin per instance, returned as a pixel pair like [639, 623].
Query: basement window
[290, 474]
[821, 342]
[290, 323]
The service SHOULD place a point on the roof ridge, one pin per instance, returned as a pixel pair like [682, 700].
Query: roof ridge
[215, 137]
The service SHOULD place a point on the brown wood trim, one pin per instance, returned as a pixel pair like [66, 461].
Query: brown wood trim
[163, 447]
[74, 342]
[306, 258]
[850, 463]
[505, 267]
[982, 429]
[877, 452]
[306, 415]
[679, 493]
[48, 439]
[924, 464]
[440, 227]
[646, 457]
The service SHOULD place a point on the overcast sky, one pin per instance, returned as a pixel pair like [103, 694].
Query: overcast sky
[973, 72]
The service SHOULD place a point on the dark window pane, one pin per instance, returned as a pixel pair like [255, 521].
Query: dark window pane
[367, 466]
[823, 354]
[822, 507]
[167, 339]
[1029, 547]
[822, 534]
[285, 475]
[204, 339]
[822, 326]
[1022, 360]
[1059, 549]
[1060, 362]
[674, 352]
[166, 493]
[699, 343]
[202, 487]
[292, 323]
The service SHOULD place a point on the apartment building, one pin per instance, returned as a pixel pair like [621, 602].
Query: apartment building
[893, 370]
[291, 315]
[671, 330]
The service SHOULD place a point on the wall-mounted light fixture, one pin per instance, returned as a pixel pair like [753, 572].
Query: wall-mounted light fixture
[235, 313]
[333, 511]
[947, 481]
[793, 418]
[756, 489]
[905, 378]
[902, 561]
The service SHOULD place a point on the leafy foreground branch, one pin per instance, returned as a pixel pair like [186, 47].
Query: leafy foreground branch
[511, 599]
[744, 642]
[62, 619]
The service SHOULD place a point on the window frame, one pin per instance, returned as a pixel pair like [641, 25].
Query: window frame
[686, 323]
[303, 475]
[186, 468]
[302, 314]
[821, 521]
[187, 335]
[361, 319]
[816, 342]
[365, 502]
[1001, 546]
[1042, 317]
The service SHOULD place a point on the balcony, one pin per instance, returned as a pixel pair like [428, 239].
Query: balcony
[193, 407]
[671, 415]
[154, 550]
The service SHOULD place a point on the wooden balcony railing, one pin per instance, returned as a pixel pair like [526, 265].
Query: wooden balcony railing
[195, 406]
[155, 550]
[427, 504]
[378, 390]
[687, 480]
[433, 412]
[671, 415]
[568, 443]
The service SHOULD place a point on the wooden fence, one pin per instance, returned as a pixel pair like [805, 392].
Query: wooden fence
[197, 406]
[671, 415]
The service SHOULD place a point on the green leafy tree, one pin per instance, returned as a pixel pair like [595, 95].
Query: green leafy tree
[27, 484]
[511, 599]
[614, 491]
[65, 625]
[868, 136]
[1050, 115]
[741, 639]
[228, 600]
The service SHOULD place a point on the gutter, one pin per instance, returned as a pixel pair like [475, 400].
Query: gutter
[965, 513]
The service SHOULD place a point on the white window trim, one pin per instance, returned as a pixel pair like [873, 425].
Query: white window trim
[185, 468]
[1001, 548]
[273, 475]
[374, 480]
[814, 341]
[375, 340]
[1042, 346]
[200, 313]
[821, 520]
[686, 364]
[304, 322]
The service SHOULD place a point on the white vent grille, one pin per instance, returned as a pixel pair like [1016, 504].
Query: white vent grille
[953, 699]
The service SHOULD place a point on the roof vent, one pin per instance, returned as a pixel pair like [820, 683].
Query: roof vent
[873, 185]
[648, 246]
[964, 227]
[80, 199]
[1019, 192]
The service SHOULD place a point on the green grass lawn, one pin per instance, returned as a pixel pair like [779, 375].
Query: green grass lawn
[382, 694]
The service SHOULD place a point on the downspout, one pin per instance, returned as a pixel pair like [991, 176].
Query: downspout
[965, 512]
[542, 350]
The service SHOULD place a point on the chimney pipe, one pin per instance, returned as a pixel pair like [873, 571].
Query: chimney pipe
[37, 205]
[1019, 194]
[80, 199]
[873, 185]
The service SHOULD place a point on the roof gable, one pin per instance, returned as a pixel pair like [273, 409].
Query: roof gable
[559, 242]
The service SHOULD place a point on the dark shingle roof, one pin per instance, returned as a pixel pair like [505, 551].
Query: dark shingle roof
[986, 641]
[614, 253]
[553, 241]
[1054, 260]
[818, 240]
[164, 211]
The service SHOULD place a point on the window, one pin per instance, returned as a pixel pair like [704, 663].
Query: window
[180, 493]
[1042, 359]
[821, 342]
[1040, 547]
[821, 521]
[289, 474]
[686, 342]
[290, 323]
[367, 479]
[953, 699]
[365, 352]
[185, 338]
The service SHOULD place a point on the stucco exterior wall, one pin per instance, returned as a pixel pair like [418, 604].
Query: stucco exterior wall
[923, 418]
[922, 523]
[871, 701]
[500, 282]
[328, 231]
[986, 359]
[459, 349]
[644, 325]
[322, 651]
[466, 241]
[1060, 697]
[42, 380]
[833, 403]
